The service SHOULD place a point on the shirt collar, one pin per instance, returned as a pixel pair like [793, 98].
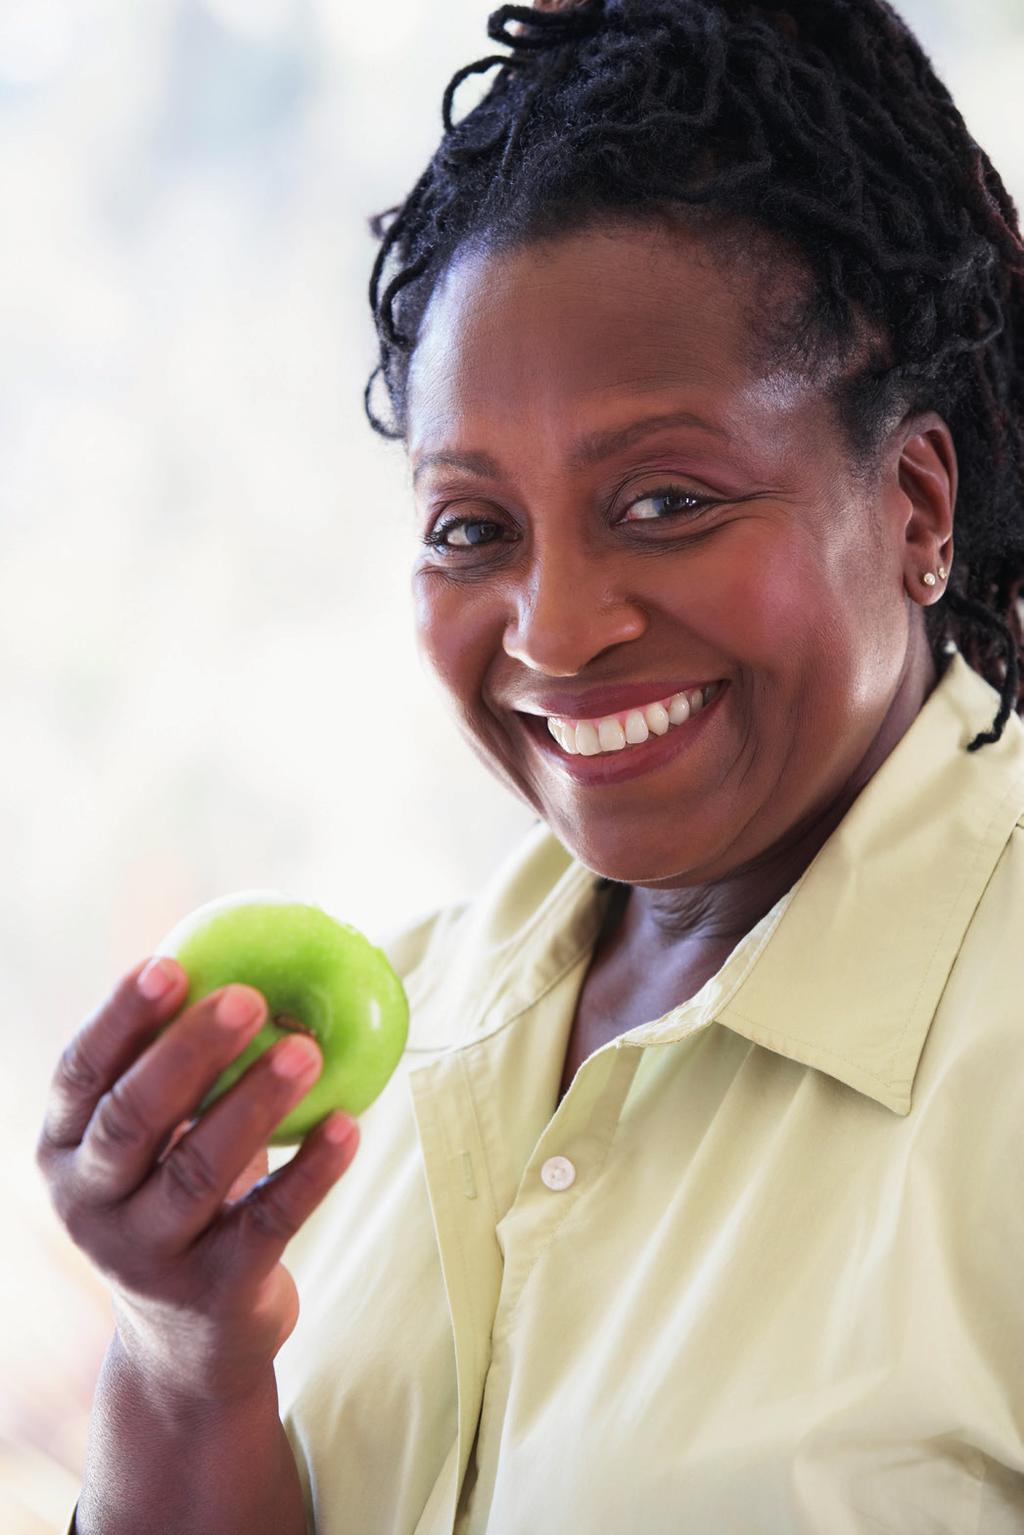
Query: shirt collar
[846, 972]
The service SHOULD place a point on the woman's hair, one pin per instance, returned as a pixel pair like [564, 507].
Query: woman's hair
[820, 127]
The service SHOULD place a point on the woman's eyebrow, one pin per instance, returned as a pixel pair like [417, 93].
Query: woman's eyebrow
[471, 463]
[586, 451]
[598, 445]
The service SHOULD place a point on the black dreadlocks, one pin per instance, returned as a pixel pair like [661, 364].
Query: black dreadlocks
[824, 127]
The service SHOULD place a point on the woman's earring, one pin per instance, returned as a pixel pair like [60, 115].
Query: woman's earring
[928, 579]
[942, 572]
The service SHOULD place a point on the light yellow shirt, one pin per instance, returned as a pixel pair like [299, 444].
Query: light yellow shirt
[762, 1271]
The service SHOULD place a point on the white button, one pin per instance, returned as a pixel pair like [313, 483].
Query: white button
[558, 1173]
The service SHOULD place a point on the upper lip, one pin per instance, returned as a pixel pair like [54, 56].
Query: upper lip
[610, 700]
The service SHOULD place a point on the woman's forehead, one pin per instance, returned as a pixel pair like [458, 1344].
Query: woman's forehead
[586, 317]
[636, 272]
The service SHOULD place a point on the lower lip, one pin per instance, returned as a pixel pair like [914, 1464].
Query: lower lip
[631, 761]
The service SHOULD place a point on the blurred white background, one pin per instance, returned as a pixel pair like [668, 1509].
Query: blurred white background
[208, 674]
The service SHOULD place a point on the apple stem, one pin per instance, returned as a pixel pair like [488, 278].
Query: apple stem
[286, 1021]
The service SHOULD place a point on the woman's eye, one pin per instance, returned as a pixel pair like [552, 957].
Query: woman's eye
[473, 533]
[679, 502]
[439, 537]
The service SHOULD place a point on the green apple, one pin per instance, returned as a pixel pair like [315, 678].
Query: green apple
[319, 976]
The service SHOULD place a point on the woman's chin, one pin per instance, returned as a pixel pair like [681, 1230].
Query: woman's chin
[631, 863]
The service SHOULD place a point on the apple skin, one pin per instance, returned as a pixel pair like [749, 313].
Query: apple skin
[321, 975]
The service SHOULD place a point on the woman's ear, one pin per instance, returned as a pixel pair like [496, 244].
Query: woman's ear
[927, 474]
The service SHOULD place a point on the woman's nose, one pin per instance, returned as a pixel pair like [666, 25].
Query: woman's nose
[563, 618]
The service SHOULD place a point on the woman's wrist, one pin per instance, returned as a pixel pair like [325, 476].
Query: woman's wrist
[181, 1385]
[157, 1457]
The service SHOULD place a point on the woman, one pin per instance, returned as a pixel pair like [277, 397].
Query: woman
[695, 1201]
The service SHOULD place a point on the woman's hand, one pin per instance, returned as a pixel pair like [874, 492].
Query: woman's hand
[202, 1301]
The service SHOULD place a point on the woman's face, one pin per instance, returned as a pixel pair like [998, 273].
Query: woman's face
[632, 508]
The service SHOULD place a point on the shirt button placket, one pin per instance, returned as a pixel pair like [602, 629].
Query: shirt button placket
[558, 1173]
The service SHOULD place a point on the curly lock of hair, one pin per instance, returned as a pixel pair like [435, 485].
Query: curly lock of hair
[823, 127]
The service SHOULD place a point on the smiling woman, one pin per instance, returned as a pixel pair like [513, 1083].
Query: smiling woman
[694, 1203]
[713, 531]
[702, 333]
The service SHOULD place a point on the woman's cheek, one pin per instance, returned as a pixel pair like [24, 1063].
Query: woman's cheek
[451, 630]
[748, 611]
[436, 636]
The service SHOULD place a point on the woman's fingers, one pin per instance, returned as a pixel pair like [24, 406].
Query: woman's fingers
[119, 1137]
[254, 1233]
[104, 1046]
[134, 1118]
[256, 1168]
[188, 1189]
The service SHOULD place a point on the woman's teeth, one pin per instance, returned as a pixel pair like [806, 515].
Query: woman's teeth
[616, 732]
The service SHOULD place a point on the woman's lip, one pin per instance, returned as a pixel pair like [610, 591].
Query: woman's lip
[615, 767]
[605, 701]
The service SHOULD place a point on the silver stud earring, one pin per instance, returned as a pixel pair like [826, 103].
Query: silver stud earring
[928, 579]
[943, 572]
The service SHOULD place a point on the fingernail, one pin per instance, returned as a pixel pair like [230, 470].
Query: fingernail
[238, 1006]
[155, 981]
[296, 1057]
[339, 1130]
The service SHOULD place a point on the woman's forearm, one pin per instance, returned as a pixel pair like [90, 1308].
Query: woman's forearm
[154, 1466]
